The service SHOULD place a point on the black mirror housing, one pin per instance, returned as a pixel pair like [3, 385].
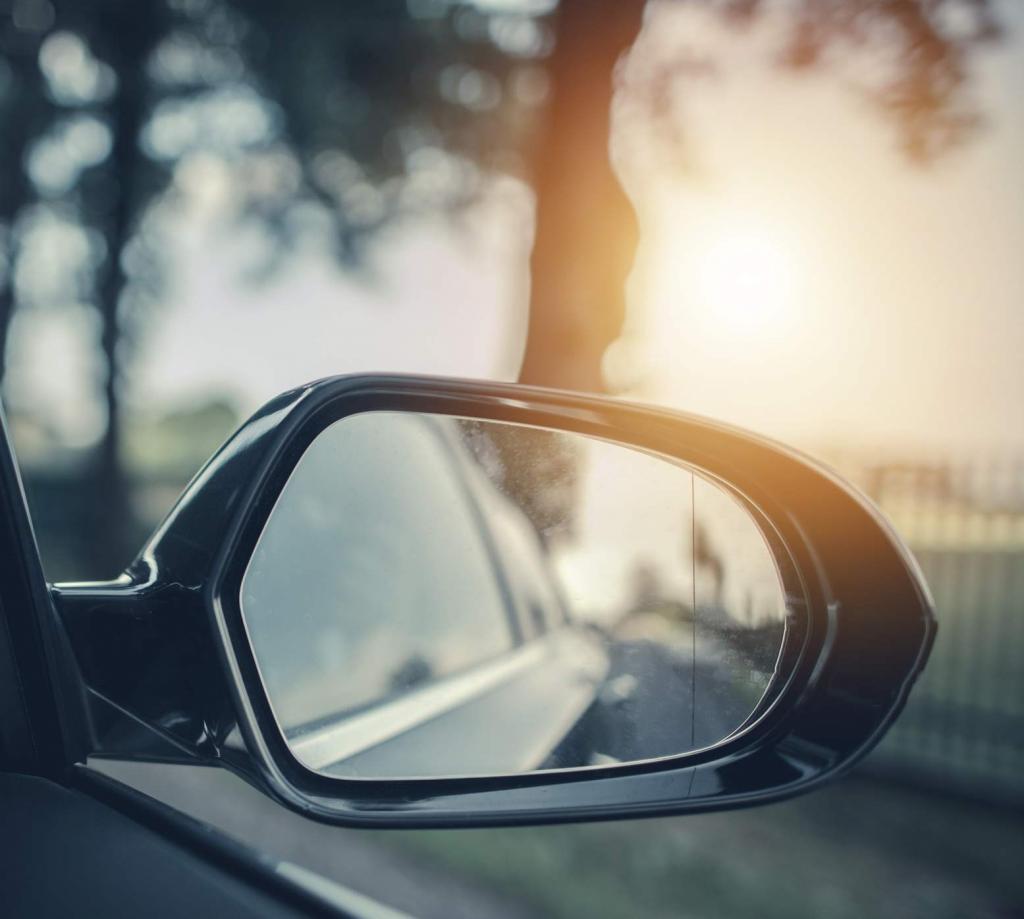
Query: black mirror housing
[172, 676]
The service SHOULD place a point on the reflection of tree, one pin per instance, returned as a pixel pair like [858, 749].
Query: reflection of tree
[651, 597]
[538, 470]
[647, 588]
[706, 558]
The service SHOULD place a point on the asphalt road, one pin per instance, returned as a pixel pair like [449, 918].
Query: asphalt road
[660, 702]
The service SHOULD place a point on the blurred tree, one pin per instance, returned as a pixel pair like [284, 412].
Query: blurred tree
[586, 233]
[379, 109]
[114, 195]
[22, 113]
[381, 112]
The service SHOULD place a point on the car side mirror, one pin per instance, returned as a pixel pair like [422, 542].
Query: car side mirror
[412, 601]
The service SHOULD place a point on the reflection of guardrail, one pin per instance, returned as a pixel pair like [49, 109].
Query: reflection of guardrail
[964, 722]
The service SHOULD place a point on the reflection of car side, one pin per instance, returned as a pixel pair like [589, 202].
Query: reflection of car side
[523, 675]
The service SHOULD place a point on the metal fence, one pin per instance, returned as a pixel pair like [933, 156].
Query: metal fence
[964, 721]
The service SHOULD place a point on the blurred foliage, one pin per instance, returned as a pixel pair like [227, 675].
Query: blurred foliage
[908, 58]
[328, 123]
[854, 849]
[333, 121]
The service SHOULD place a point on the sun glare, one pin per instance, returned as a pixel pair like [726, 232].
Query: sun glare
[745, 278]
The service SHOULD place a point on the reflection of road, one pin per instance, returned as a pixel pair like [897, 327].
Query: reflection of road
[646, 708]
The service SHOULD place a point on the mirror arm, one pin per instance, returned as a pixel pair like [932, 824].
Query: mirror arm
[154, 686]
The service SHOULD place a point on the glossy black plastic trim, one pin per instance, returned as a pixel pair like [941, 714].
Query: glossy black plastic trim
[856, 600]
[42, 711]
[248, 864]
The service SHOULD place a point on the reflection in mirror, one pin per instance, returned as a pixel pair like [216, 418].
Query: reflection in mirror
[434, 596]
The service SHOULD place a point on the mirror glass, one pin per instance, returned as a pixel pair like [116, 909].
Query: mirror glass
[437, 596]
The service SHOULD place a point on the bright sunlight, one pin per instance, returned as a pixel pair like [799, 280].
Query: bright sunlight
[745, 280]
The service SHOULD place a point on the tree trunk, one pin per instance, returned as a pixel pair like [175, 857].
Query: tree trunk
[586, 231]
[6, 314]
[114, 520]
[22, 119]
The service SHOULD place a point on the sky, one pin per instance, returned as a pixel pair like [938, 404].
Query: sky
[809, 284]
[801, 280]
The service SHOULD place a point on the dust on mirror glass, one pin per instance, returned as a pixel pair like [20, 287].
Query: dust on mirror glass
[436, 596]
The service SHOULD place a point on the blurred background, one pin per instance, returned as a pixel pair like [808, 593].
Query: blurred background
[805, 217]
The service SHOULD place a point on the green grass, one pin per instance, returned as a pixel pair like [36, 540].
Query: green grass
[854, 850]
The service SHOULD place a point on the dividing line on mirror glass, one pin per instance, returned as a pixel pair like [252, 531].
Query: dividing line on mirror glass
[693, 614]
